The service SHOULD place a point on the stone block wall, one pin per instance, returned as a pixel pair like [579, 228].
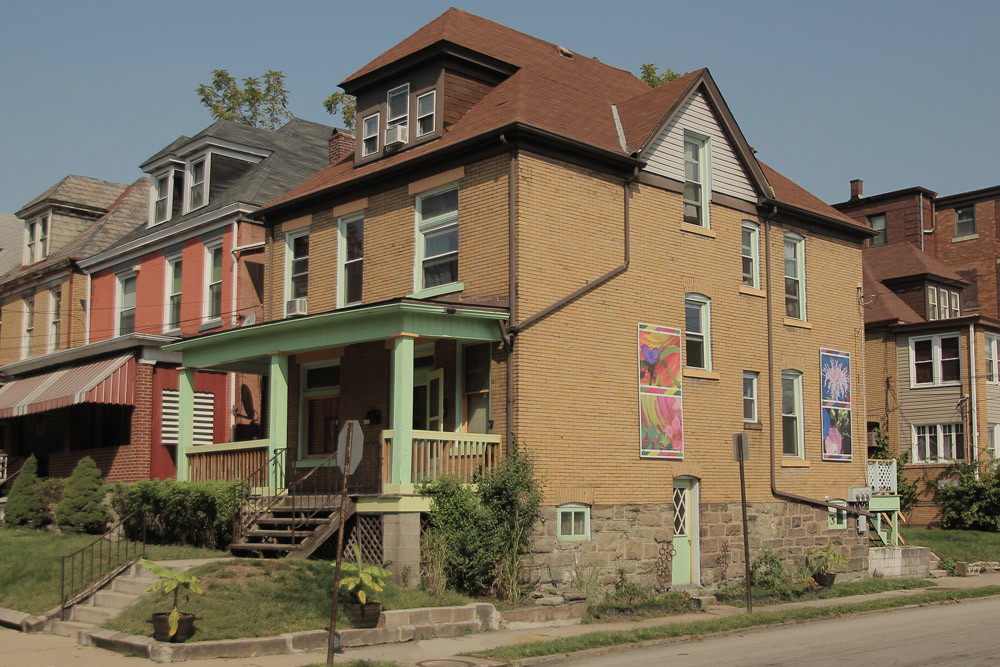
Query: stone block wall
[899, 561]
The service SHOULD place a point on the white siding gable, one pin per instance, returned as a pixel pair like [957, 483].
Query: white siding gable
[666, 157]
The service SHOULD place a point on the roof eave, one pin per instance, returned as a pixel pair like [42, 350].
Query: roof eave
[843, 225]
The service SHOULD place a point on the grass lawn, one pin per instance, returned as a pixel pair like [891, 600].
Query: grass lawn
[735, 595]
[967, 546]
[263, 598]
[30, 568]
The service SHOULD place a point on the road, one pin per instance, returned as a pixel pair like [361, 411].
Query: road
[967, 633]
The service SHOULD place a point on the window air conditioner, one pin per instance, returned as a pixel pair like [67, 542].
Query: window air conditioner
[296, 307]
[397, 135]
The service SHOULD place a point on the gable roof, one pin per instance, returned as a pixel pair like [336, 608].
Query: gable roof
[897, 261]
[792, 194]
[76, 192]
[883, 306]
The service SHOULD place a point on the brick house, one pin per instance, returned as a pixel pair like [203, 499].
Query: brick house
[528, 242]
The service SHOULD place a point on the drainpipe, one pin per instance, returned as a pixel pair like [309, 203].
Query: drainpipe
[771, 394]
[505, 334]
[973, 421]
[69, 320]
[87, 313]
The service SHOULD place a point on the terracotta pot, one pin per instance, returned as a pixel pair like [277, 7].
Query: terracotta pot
[825, 579]
[161, 628]
[364, 615]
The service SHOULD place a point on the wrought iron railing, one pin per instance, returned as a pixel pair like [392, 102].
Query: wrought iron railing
[311, 494]
[882, 476]
[439, 453]
[90, 567]
[260, 490]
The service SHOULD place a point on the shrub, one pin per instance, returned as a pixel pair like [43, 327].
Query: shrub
[464, 527]
[24, 504]
[972, 501]
[189, 513]
[81, 506]
[433, 563]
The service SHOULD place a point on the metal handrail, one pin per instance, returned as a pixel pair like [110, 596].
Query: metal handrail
[246, 513]
[106, 567]
[316, 506]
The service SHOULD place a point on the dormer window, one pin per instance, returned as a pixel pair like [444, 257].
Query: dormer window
[161, 198]
[166, 195]
[425, 113]
[369, 136]
[398, 105]
[196, 177]
[36, 239]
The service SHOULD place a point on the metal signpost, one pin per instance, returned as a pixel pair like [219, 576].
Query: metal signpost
[741, 453]
[350, 448]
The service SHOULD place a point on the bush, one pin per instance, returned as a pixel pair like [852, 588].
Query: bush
[81, 506]
[464, 527]
[190, 513]
[970, 502]
[24, 504]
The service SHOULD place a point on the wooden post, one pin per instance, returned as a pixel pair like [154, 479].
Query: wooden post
[345, 465]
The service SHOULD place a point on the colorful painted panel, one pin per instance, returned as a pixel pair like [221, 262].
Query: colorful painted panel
[661, 430]
[835, 370]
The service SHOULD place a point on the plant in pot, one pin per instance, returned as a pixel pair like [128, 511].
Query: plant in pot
[823, 561]
[172, 626]
[360, 581]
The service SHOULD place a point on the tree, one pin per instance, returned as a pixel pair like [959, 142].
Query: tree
[260, 102]
[347, 104]
[24, 504]
[653, 78]
[81, 506]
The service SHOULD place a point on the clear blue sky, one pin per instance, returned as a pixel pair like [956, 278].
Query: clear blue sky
[896, 93]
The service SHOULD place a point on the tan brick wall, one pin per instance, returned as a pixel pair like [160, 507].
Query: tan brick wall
[576, 384]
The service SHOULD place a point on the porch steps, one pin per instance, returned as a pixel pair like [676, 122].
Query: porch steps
[283, 531]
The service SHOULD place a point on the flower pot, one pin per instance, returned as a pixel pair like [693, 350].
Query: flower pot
[364, 615]
[161, 627]
[825, 579]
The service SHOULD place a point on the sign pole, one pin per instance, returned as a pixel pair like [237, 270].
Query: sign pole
[345, 466]
[741, 452]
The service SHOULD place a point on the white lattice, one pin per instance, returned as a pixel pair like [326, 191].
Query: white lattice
[882, 476]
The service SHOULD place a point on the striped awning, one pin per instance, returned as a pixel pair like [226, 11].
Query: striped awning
[108, 381]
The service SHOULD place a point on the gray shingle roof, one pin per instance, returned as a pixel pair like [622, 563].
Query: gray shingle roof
[11, 241]
[78, 191]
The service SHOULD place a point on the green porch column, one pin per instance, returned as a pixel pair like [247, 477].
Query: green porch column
[278, 411]
[185, 420]
[401, 420]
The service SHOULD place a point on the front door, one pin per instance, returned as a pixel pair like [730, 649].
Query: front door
[322, 419]
[681, 571]
[435, 400]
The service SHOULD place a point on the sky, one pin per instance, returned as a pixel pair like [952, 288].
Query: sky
[896, 93]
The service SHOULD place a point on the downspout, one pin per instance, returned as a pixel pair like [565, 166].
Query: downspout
[508, 338]
[233, 315]
[87, 312]
[69, 320]
[973, 421]
[771, 394]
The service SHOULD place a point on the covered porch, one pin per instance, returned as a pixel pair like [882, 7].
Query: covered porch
[419, 377]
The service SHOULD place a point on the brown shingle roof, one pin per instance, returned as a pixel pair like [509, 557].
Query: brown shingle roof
[78, 191]
[905, 260]
[789, 192]
[882, 305]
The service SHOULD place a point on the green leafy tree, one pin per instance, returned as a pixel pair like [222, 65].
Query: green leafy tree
[652, 77]
[24, 504]
[81, 506]
[260, 102]
[346, 104]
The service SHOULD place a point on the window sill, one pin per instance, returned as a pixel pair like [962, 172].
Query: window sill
[794, 463]
[697, 229]
[701, 374]
[210, 324]
[576, 538]
[967, 237]
[440, 290]
[753, 426]
[933, 385]
[798, 324]
[752, 291]
[172, 332]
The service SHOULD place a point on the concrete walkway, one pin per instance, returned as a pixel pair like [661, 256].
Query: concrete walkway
[32, 650]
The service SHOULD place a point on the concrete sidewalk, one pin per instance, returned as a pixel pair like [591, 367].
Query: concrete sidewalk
[31, 650]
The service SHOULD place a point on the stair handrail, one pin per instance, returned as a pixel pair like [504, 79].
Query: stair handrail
[107, 566]
[296, 497]
[245, 514]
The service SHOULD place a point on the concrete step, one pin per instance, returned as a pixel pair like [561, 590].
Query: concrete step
[252, 546]
[131, 585]
[934, 561]
[93, 615]
[937, 574]
[115, 600]
[69, 628]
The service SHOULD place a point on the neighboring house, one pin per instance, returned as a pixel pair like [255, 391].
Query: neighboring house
[528, 243]
[11, 242]
[933, 337]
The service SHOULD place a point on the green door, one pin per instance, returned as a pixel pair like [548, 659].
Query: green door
[681, 566]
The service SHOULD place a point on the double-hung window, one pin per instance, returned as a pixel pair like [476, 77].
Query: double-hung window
[352, 260]
[196, 173]
[398, 106]
[29, 326]
[942, 303]
[298, 265]
[161, 198]
[992, 359]
[935, 360]
[932, 442]
[697, 335]
[749, 251]
[695, 179]
[369, 135]
[425, 113]
[213, 282]
[795, 277]
[126, 303]
[877, 223]
[36, 239]
[437, 238]
[750, 397]
[792, 433]
[174, 288]
[965, 220]
[932, 308]
[55, 318]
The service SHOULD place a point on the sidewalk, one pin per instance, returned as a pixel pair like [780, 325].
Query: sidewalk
[31, 650]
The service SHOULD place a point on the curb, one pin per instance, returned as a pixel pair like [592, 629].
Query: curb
[21, 621]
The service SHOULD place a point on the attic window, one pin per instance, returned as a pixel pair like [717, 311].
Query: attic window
[563, 51]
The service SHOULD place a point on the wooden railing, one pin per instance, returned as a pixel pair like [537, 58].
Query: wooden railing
[92, 566]
[882, 476]
[439, 453]
[227, 461]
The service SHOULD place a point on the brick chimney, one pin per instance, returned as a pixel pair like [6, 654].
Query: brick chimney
[857, 188]
[341, 144]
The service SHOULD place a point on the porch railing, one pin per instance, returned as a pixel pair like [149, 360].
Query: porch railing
[439, 453]
[227, 461]
[88, 568]
[261, 489]
[882, 476]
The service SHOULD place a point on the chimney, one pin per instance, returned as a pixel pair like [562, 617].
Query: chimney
[857, 189]
[341, 144]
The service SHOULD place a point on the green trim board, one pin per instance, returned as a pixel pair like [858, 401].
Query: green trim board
[228, 447]
[440, 290]
[394, 504]
[883, 504]
[573, 523]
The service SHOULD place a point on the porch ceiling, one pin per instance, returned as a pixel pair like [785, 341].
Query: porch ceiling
[248, 350]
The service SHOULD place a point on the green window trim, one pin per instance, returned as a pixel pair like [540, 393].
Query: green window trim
[575, 518]
[836, 519]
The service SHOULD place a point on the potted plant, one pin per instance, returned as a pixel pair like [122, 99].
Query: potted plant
[823, 561]
[358, 581]
[172, 626]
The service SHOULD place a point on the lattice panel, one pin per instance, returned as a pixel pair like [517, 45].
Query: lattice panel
[882, 476]
[365, 531]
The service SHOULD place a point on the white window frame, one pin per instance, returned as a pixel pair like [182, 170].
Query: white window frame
[189, 183]
[932, 303]
[972, 221]
[433, 113]
[704, 305]
[36, 238]
[206, 315]
[28, 326]
[992, 359]
[936, 360]
[171, 262]
[120, 279]
[883, 236]
[290, 238]
[571, 509]
[342, 260]
[956, 304]
[167, 178]
[799, 242]
[55, 317]
[431, 225]
[993, 433]
[403, 119]
[366, 135]
[796, 378]
[943, 450]
[748, 226]
[751, 397]
[704, 174]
